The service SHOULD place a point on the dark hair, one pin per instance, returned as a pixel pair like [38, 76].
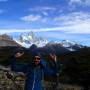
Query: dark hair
[36, 54]
[19, 51]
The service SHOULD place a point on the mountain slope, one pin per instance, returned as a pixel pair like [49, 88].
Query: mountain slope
[6, 40]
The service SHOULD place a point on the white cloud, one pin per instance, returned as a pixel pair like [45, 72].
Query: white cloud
[13, 30]
[45, 13]
[33, 18]
[82, 28]
[77, 22]
[79, 2]
[25, 30]
[73, 18]
[87, 2]
[85, 40]
[42, 8]
[75, 2]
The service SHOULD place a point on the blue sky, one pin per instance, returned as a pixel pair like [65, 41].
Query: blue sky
[52, 19]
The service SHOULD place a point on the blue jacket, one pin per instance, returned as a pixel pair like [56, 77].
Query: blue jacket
[33, 74]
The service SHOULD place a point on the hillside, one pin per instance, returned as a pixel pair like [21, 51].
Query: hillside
[74, 66]
[6, 40]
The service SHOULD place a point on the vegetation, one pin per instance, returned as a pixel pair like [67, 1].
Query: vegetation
[74, 67]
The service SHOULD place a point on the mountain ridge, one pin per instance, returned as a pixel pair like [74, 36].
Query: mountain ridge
[27, 40]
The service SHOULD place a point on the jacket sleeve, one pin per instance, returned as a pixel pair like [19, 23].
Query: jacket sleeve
[18, 67]
[49, 71]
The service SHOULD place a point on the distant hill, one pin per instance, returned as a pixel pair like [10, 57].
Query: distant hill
[6, 40]
[27, 40]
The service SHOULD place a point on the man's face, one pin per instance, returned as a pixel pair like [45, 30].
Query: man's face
[36, 60]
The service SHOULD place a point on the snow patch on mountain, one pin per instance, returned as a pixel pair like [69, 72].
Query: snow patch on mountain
[71, 45]
[67, 43]
[28, 39]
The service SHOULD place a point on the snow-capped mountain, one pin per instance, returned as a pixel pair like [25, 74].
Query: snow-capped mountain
[67, 43]
[28, 39]
[70, 45]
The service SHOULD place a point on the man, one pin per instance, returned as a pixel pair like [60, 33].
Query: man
[34, 71]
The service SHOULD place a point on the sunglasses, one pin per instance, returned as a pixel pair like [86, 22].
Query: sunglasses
[38, 58]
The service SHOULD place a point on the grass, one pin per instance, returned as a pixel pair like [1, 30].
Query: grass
[8, 84]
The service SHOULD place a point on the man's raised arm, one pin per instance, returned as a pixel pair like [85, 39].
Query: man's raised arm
[50, 71]
[15, 66]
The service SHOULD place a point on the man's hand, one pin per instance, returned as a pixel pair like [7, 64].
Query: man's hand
[53, 57]
[18, 54]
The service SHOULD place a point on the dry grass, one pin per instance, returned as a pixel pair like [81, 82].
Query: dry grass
[17, 83]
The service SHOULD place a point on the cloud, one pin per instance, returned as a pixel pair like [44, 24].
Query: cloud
[45, 10]
[33, 18]
[75, 29]
[75, 2]
[82, 28]
[45, 13]
[73, 18]
[77, 22]
[79, 2]
[85, 40]
[42, 8]
[27, 30]
[87, 2]
[73, 23]
[13, 30]
[24, 30]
